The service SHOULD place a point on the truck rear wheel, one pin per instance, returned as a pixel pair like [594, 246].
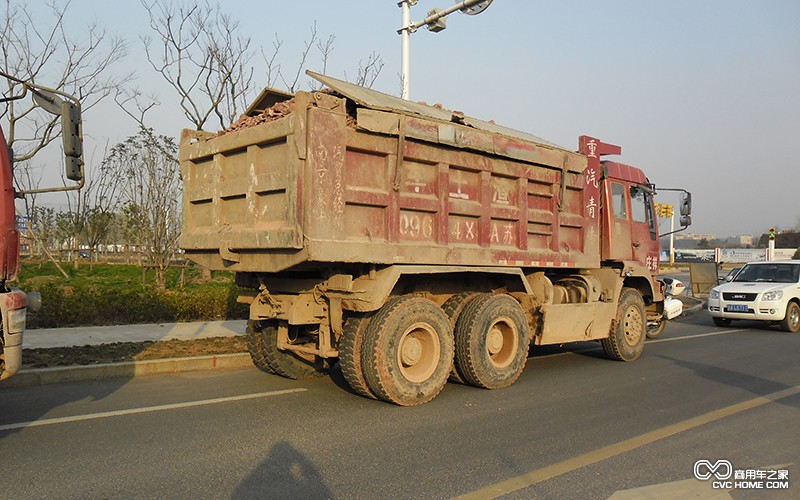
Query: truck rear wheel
[256, 348]
[407, 351]
[791, 322]
[453, 308]
[286, 363]
[629, 328]
[350, 354]
[491, 341]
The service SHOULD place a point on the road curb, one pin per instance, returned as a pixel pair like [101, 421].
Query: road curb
[691, 304]
[128, 369]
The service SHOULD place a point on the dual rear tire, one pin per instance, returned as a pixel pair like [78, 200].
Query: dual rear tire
[410, 346]
[262, 343]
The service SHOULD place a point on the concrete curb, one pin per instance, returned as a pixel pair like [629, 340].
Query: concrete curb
[691, 304]
[128, 369]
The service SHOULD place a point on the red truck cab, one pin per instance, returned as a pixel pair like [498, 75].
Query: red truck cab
[13, 302]
[628, 226]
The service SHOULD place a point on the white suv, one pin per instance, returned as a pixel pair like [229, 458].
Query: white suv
[765, 291]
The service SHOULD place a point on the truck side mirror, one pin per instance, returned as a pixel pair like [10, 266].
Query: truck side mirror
[686, 220]
[71, 134]
[686, 205]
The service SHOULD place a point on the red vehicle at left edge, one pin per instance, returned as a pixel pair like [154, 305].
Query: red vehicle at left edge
[14, 303]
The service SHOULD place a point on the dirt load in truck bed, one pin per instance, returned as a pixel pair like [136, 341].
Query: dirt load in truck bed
[279, 110]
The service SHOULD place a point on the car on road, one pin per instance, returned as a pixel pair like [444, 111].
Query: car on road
[731, 274]
[762, 291]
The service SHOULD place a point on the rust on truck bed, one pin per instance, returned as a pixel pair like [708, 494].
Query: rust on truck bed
[357, 176]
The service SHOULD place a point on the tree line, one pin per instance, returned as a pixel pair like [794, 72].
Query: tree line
[207, 65]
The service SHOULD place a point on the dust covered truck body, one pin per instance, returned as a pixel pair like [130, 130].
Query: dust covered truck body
[414, 244]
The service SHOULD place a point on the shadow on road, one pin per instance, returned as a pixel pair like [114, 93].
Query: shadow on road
[756, 385]
[23, 405]
[285, 473]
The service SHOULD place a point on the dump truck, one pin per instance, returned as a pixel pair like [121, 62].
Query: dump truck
[412, 244]
[15, 303]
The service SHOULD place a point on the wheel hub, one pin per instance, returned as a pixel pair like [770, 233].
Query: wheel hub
[633, 325]
[411, 351]
[495, 341]
[418, 352]
[502, 342]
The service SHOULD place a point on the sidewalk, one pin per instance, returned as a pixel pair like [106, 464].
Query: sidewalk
[95, 335]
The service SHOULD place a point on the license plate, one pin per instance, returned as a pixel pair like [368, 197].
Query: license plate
[737, 308]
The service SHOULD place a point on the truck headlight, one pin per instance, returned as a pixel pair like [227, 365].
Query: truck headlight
[773, 295]
[714, 294]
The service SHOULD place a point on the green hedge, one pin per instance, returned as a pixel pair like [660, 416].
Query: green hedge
[107, 294]
[63, 305]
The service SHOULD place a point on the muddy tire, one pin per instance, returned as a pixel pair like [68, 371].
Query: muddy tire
[629, 328]
[453, 308]
[287, 364]
[491, 341]
[350, 354]
[407, 351]
[256, 347]
[655, 330]
[722, 322]
[791, 323]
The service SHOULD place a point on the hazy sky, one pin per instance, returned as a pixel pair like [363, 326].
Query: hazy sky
[701, 94]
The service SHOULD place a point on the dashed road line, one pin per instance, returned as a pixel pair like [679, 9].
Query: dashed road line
[146, 409]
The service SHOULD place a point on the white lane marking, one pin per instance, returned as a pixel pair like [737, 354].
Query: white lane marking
[146, 409]
[685, 337]
[710, 334]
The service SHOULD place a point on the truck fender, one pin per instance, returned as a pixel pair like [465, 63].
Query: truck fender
[371, 291]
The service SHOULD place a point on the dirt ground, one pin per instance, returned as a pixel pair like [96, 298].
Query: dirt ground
[130, 351]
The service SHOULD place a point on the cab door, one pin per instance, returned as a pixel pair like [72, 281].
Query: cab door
[617, 244]
[644, 234]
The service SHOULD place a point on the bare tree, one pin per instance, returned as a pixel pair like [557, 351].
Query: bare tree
[197, 52]
[45, 51]
[149, 195]
[273, 67]
[309, 44]
[369, 70]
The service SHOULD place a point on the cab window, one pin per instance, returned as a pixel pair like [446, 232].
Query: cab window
[618, 205]
[638, 204]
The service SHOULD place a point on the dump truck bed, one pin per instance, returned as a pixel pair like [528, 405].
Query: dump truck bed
[355, 176]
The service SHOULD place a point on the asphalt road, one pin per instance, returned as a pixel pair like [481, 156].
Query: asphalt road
[575, 425]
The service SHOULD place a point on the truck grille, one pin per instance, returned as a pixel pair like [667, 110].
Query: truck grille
[740, 297]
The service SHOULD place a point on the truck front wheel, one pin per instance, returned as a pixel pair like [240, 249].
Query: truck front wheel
[407, 351]
[629, 328]
[491, 341]
[285, 363]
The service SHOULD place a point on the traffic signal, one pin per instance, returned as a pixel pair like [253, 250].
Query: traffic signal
[668, 211]
[772, 234]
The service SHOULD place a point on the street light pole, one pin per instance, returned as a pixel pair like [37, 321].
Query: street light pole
[435, 23]
[672, 240]
[405, 36]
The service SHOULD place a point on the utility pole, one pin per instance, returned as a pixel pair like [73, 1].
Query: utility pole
[771, 246]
